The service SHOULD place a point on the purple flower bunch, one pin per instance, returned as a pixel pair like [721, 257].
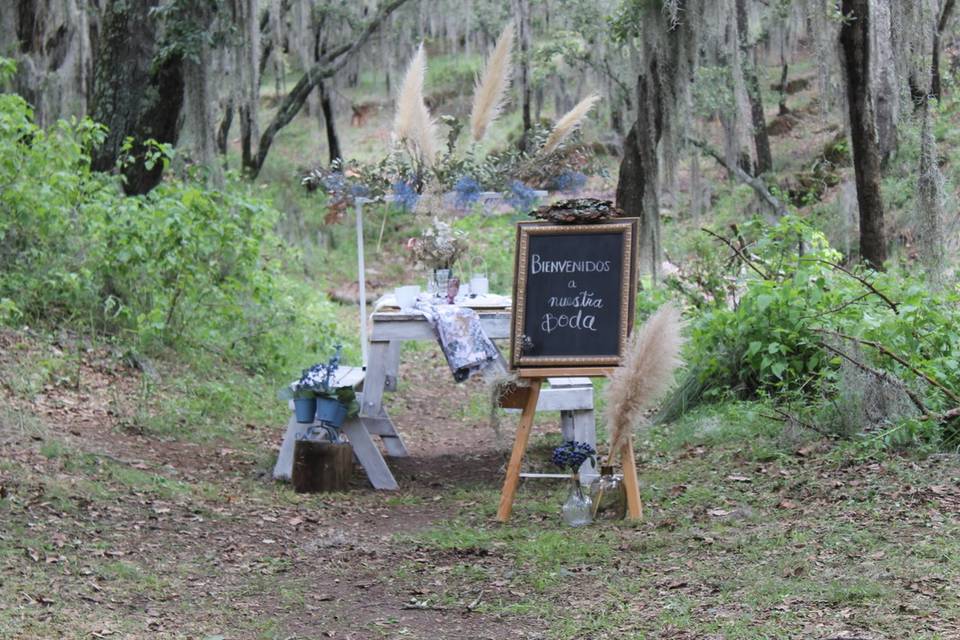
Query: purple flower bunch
[405, 196]
[467, 190]
[318, 377]
[570, 455]
[522, 197]
[570, 181]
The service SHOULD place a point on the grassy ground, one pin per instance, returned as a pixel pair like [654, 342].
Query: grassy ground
[111, 526]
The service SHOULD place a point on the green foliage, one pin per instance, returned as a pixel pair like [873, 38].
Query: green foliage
[183, 266]
[792, 308]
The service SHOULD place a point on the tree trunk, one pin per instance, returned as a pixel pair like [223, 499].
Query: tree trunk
[290, 106]
[223, 131]
[521, 10]
[333, 142]
[639, 172]
[855, 45]
[761, 142]
[135, 94]
[784, 74]
[935, 82]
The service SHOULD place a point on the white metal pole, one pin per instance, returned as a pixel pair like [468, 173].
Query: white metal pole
[362, 282]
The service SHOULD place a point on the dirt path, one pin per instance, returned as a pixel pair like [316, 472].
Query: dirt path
[109, 530]
[211, 545]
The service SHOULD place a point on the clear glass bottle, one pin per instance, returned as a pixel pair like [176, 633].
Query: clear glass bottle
[608, 495]
[578, 509]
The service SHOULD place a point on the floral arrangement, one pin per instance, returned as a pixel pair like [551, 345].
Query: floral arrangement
[439, 246]
[317, 382]
[570, 455]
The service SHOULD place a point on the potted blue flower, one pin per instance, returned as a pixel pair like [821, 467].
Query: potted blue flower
[317, 398]
[577, 510]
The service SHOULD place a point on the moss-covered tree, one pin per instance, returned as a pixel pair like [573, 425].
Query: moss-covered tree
[138, 91]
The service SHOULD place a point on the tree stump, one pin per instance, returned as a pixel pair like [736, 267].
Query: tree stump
[321, 466]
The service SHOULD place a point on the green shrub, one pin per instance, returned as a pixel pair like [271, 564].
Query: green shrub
[794, 306]
[184, 266]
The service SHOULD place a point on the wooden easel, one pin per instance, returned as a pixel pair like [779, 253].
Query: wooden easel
[526, 398]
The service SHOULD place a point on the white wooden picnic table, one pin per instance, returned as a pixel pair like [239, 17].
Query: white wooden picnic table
[573, 397]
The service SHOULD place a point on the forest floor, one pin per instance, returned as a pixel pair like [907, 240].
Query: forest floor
[112, 529]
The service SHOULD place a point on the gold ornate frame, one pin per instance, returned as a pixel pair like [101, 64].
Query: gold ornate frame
[628, 227]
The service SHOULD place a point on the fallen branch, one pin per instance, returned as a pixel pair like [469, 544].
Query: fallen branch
[753, 182]
[890, 354]
[786, 417]
[885, 376]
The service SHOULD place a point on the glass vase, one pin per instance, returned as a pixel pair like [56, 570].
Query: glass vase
[608, 495]
[578, 509]
[441, 278]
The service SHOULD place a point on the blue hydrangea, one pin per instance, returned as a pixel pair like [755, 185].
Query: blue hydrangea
[521, 197]
[570, 182]
[404, 195]
[467, 192]
[570, 455]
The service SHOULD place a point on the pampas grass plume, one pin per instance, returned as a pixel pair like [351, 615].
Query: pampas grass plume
[492, 85]
[413, 126]
[652, 357]
[569, 123]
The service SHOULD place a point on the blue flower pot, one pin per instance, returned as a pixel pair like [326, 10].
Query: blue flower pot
[331, 412]
[305, 409]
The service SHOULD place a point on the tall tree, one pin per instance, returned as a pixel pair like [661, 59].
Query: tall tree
[855, 47]
[138, 91]
[666, 36]
[945, 14]
[521, 13]
[761, 141]
[52, 41]
[330, 62]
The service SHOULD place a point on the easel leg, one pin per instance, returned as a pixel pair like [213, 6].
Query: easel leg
[512, 480]
[630, 482]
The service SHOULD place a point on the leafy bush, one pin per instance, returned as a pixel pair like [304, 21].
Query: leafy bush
[795, 314]
[183, 266]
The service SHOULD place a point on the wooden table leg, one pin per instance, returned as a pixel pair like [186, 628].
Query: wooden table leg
[512, 480]
[392, 365]
[368, 454]
[630, 482]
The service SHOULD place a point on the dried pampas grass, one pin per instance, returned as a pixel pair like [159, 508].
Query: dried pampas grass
[413, 126]
[652, 357]
[569, 123]
[492, 86]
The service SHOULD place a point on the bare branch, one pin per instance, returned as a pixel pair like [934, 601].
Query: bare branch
[890, 303]
[326, 67]
[746, 260]
[753, 182]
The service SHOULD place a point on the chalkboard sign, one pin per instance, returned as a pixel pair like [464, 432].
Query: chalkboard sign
[573, 293]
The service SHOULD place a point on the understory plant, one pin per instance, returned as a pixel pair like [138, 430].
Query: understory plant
[185, 267]
[792, 321]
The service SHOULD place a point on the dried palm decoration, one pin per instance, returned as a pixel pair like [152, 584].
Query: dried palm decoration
[652, 357]
[569, 123]
[492, 84]
[413, 125]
